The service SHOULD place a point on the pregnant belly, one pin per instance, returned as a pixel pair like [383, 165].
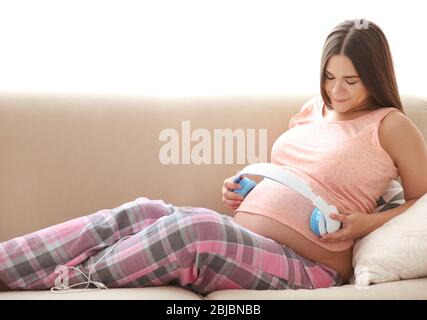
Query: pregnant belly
[269, 228]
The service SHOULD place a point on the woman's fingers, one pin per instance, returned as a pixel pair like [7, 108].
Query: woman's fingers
[231, 199]
[233, 196]
[232, 204]
[230, 185]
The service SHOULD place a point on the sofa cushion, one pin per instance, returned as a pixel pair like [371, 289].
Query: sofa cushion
[405, 289]
[151, 293]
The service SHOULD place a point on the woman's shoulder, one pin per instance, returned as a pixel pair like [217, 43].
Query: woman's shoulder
[395, 123]
[393, 118]
[308, 109]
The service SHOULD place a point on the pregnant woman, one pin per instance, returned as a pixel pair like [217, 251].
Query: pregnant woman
[347, 143]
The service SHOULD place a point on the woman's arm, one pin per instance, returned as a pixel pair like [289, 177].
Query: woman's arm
[407, 146]
[357, 224]
[402, 139]
[378, 219]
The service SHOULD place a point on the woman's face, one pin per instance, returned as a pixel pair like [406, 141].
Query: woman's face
[343, 85]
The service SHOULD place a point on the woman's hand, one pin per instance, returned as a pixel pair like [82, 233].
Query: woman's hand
[355, 224]
[231, 199]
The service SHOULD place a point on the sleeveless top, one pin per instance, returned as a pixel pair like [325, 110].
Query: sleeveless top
[342, 161]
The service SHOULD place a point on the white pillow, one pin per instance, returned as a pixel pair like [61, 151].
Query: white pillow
[397, 250]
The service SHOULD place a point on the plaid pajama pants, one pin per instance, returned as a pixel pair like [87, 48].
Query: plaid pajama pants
[196, 248]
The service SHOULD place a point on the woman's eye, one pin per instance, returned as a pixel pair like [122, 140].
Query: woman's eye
[332, 78]
[351, 83]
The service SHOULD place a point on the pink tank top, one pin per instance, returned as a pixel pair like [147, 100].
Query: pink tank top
[342, 161]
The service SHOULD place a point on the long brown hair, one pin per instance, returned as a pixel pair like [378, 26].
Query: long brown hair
[365, 44]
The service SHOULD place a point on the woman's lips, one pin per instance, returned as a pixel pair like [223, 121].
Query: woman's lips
[340, 101]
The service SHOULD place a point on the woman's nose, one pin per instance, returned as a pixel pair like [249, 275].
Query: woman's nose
[337, 87]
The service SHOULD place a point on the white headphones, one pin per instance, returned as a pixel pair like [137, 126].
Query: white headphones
[320, 222]
[61, 281]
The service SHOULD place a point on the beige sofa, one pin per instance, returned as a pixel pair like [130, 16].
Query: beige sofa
[63, 156]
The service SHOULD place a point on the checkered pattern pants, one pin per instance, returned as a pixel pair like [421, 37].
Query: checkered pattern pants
[196, 248]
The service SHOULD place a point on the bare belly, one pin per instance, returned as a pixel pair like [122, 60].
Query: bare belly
[269, 228]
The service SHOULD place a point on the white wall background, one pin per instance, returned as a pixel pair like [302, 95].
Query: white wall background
[192, 47]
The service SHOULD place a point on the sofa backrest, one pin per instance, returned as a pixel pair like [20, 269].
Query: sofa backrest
[64, 155]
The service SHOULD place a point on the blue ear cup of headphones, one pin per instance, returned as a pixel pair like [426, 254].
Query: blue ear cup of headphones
[246, 185]
[317, 222]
